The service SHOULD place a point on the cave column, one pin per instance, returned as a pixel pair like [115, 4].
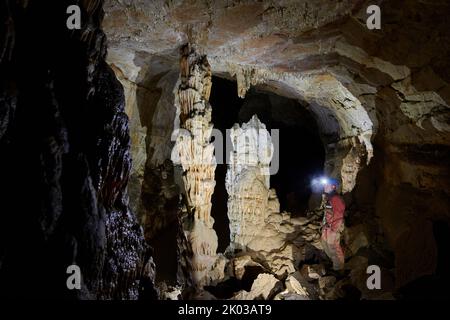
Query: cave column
[195, 153]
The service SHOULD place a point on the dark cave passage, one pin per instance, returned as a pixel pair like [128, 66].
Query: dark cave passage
[225, 105]
[435, 284]
[165, 254]
[301, 152]
[301, 158]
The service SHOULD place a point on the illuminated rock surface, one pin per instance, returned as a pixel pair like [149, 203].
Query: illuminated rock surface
[195, 153]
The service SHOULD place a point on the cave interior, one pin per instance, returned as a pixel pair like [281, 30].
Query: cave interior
[109, 161]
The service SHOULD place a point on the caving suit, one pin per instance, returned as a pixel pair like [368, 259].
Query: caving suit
[332, 227]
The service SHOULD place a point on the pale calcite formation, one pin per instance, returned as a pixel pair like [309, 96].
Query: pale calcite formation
[352, 162]
[193, 147]
[256, 224]
[195, 153]
[247, 181]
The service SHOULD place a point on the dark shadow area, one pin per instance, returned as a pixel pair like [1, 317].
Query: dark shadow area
[441, 230]
[219, 209]
[225, 105]
[161, 202]
[64, 161]
[165, 254]
[301, 158]
[228, 288]
[433, 286]
[301, 152]
[250, 275]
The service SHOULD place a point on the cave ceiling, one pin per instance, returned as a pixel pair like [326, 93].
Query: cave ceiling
[320, 52]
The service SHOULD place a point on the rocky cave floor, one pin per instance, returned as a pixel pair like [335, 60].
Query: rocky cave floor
[248, 277]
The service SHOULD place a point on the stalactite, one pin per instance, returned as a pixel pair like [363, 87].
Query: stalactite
[246, 77]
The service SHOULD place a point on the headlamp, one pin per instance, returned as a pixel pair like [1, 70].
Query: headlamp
[318, 183]
[321, 180]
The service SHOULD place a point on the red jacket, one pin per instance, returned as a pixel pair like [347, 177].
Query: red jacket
[335, 216]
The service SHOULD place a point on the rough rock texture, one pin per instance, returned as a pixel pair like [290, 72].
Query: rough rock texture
[153, 187]
[65, 160]
[293, 284]
[289, 249]
[247, 182]
[265, 287]
[380, 97]
[154, 193]
[256, 225]
[194, 151]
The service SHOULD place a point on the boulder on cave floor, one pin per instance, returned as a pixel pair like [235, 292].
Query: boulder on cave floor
[240, 263]
[314, 271]
[169, 292]
[298, 284]
[327, 282]
[293, 285]
[265, 287]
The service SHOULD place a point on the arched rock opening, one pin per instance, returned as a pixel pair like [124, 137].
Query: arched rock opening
[301, 152]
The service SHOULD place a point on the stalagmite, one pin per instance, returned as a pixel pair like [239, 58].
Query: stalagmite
[195, 153]
[247, 181]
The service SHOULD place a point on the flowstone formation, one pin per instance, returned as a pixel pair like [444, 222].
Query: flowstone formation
[195, 153]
